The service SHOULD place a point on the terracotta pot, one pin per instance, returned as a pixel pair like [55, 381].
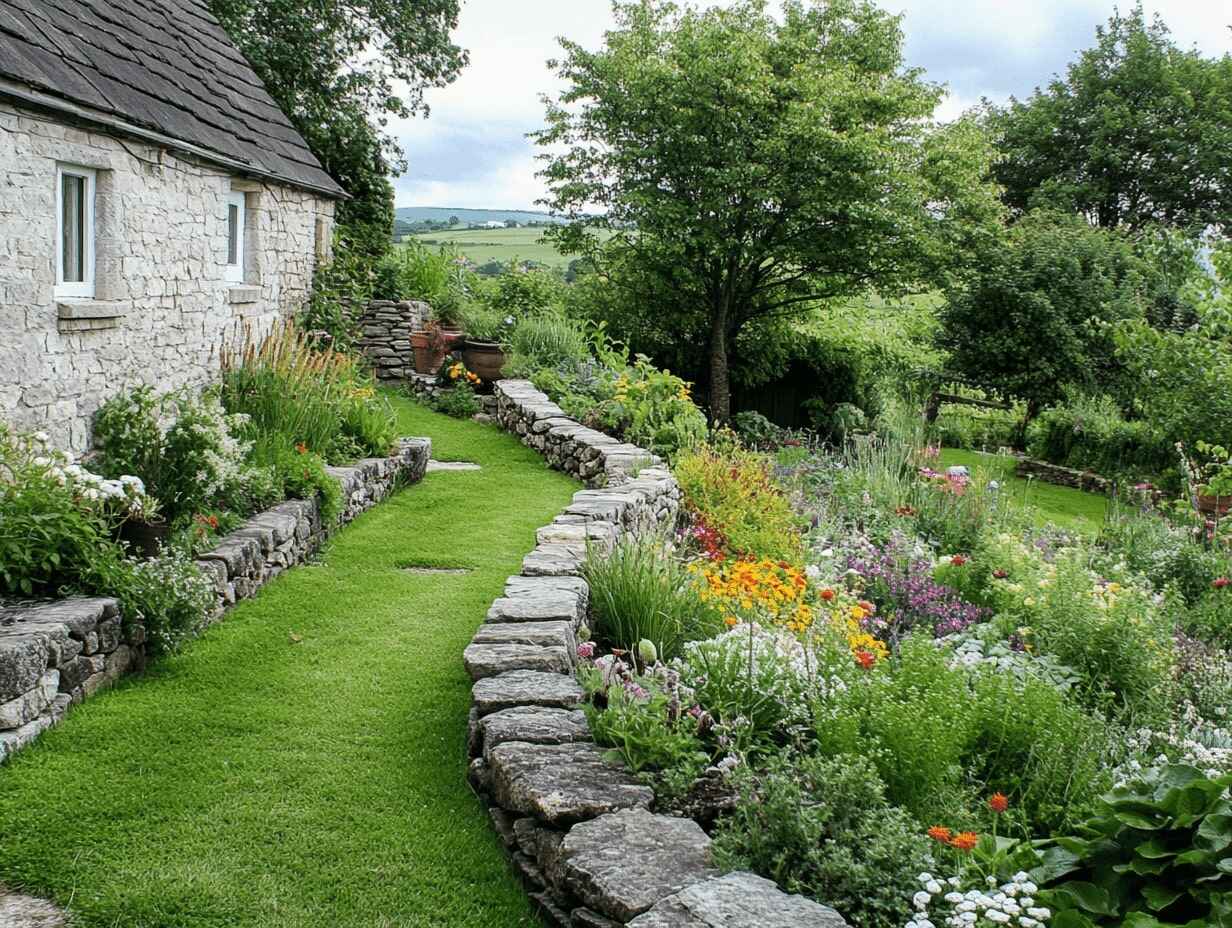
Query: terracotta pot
[1214, 505]
[145, 538]
[428, 356]
[453, 336]
[484, 359]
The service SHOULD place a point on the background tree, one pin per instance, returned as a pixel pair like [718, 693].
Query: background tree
[749, 166]
[1036, 318]
[1139, 131]
[340, 72]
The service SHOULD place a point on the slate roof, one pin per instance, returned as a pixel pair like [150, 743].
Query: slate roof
[164, 65]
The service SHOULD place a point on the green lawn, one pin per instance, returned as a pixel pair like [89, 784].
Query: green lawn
[1064, 507]
[505, 245]
[302, 765]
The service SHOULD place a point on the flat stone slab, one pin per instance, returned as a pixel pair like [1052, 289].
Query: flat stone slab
[533, 725]
[17, 911]
[738, 900]
[554, 560]
[536, 633]
[525, 688]
[437, 466]
[491, 660]
[562, 783]
[519, 585]
[623, 863]
[546, 606]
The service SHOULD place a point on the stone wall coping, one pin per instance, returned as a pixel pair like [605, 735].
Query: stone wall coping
[580, 828]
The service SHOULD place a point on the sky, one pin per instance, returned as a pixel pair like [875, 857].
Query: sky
[472, 150]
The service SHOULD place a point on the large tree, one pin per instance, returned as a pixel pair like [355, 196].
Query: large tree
[748, 165]
[341, 69]
[1139, 131]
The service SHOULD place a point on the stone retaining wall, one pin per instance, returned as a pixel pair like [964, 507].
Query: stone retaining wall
[1063, 476]
[385, 330]
[593, 457]
[580, 827]
[56, 654]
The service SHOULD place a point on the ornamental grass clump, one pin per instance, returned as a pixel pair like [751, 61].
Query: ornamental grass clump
[641, 590]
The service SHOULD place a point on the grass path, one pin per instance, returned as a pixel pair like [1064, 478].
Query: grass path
[257, 780]
[1064, 507]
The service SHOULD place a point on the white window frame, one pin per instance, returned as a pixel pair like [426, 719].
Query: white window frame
[84, 288]
[235, 272]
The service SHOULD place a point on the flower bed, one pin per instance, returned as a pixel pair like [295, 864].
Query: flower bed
[578, 825]
[907, 678]
[54, 655]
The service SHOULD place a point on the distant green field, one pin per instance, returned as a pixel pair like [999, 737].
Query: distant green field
[484, 245]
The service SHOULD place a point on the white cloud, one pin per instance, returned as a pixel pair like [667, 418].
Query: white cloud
[472, 150]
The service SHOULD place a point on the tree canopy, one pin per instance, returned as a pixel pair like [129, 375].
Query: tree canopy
[749, 166]
[1139, 131]
[341, 71]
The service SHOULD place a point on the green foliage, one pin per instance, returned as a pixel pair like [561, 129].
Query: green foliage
[545, 340]
[756, 431]
[1091, 433]
[685, 111]
[414, 272]
[1130, 136]
[823, 827]
[654, 410]
[484, 323]
[340, 74]
[318, 398]
[1155, 853]
[299, 474]
[458, 401]
[639, 590]
[733, 491]
[522, 291]
[1058, 279]
[341, 287]
[128, 438]
[1168, 556]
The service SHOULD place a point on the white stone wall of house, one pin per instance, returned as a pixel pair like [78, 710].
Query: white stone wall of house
[162, 304]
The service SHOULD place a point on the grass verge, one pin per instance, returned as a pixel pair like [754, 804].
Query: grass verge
[303, 763]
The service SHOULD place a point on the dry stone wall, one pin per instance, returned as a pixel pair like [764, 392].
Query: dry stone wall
[1028, 468]
[54, 655]
[162, 305]
[385, 328]
[581, 828]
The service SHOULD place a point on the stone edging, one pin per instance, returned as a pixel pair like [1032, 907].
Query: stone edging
[54, 655]
[1029, 468]
[580, 827]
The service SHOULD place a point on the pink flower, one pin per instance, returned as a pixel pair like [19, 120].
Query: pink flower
[586, 650]
[1221, 582]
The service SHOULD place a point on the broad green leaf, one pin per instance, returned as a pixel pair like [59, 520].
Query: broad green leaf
[1087, 896]
[1160, 897]
[1153, 849]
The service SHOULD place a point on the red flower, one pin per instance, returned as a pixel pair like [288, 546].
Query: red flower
[866, 659]
[904, 511]
[1221, 582]
[1000, 573]
[827, 594]
[958, 560]
[999, 802]
[301, 447]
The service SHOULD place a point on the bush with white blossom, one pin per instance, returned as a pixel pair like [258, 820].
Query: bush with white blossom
[947, 902]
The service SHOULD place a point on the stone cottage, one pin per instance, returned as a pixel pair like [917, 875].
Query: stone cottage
[152, 197]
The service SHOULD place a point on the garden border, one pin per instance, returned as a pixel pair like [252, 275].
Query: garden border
[578, 825]
[54, 655]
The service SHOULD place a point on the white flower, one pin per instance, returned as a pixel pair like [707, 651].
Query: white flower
[1040, 912]
[953, 898]
[812, 571]
[1028, 887]
[994, 915]
[933, 887]
[925, 877]
[921, 900]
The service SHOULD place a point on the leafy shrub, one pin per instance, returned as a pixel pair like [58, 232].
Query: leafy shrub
[653, 409]
[960, 426]
[545, 340]
[299, 474]
[522, 291]
[128, 437]
[1210, 618]
[415, 272]
[458, 401]
[1156, 852]
[823, 827]
[1090, 433]
[485, 323]
[734, 492]
[1165, 554]
[639, 590]
[318, 398]
[756, 431]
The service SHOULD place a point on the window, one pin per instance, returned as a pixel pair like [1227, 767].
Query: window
[235, 238]
[74, 232]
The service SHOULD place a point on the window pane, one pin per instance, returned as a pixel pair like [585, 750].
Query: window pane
[73, 199]
[233, 234]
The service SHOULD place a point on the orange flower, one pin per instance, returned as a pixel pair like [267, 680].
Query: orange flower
[301, 447]
[827, 594]
[940, 833]
[965, 841]
[958, 560]
[999, 802]
[866, 659]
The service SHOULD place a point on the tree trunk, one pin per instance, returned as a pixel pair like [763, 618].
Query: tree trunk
[720, 376]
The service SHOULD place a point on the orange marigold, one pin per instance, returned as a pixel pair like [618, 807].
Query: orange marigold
[965, 841]
[866, 659]
[940, 833]
[999, 802]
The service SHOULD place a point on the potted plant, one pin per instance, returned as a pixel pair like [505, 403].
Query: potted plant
[1214, 480]
[430, 345]
[483, 351]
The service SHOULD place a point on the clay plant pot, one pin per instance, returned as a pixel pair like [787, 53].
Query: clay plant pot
[484, 359]
[453, 336]
[146, 539]
[429, 352]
